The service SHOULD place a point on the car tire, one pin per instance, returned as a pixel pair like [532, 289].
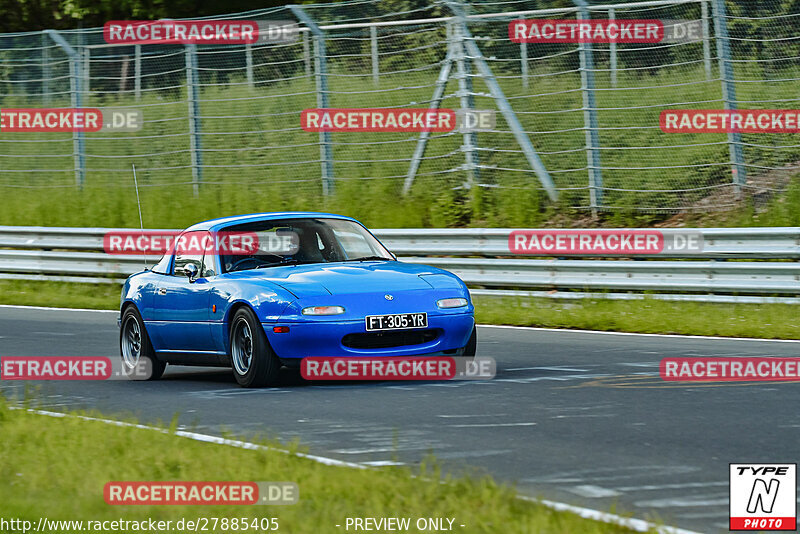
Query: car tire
[254, 362]
[472, 345]
[139, 360]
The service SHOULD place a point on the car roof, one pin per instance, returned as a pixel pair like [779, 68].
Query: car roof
[215, 225]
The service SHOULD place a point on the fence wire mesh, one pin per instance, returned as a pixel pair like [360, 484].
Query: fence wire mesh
[228, 117]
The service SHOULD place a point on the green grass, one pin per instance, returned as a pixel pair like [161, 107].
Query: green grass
[276, 166]
[780, 321]
[46, 472]
[60, 295]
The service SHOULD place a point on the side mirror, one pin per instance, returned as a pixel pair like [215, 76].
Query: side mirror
[191, 271]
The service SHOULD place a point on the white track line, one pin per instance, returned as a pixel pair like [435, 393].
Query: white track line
[56, 309]
[609, 333]
[198, 437]
[639, 525]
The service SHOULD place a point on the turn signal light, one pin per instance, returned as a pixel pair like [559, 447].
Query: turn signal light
[323, 310]
[451, 303]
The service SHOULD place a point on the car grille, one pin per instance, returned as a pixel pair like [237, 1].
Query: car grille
[384, 340]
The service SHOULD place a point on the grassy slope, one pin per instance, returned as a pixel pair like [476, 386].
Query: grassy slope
[276, 167]
[42, 460]
[780, 321]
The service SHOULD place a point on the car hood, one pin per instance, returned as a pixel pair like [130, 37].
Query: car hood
[341, 278]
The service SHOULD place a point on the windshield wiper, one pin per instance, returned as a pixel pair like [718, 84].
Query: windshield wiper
[369, 258]
[288, 261]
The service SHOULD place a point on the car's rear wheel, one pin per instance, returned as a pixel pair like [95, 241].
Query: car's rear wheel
[139, 360]
[253, 360]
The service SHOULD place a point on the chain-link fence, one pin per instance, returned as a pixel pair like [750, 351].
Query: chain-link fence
[578, 123]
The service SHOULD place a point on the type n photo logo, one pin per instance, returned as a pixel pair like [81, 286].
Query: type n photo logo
[763, 496]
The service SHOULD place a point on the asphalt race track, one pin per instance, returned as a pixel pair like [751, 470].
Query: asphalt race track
[576, 417]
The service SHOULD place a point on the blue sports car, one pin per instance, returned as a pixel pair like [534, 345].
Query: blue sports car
[332, 290]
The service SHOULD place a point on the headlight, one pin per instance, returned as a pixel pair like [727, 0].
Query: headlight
[452, 303]
[323, 310]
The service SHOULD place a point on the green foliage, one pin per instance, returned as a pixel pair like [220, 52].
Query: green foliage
[778, 321]
[44, 460]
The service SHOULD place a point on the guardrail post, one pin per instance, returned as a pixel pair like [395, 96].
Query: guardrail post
[196, 142]
[706, 38]
[321, 71]
[76, 101]
[729, 92]
[590, 116]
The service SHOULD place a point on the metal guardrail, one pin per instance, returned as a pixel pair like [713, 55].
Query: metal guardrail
[719, 243]
[481, 257]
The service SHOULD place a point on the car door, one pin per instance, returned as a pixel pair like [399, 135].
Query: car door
[181, 307]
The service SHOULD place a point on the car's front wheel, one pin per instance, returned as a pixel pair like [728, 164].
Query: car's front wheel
[139, 360]
[253, 360]
[472, 345]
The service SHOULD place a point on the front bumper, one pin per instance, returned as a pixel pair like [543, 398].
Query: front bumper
[451, 330]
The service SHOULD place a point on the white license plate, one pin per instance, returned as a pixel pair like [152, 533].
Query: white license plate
[396, 321]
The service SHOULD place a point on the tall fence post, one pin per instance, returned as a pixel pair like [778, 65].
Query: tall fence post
[196, 142]
[438, 94]
[86, 58]
[137, 71]
[373, 41]
[590, 116]
[306, 54]
[467, 100]
[76, 101]
[729, 91]
[706, 38]
[45, 71]
[504, 106]
[523, 59]
[321, 74]
[613, 51]
[248, 60]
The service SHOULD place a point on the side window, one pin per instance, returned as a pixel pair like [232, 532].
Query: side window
[162, 267]
[208, 265]
[189, 249]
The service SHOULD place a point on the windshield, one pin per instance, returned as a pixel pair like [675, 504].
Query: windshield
[302, 241]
